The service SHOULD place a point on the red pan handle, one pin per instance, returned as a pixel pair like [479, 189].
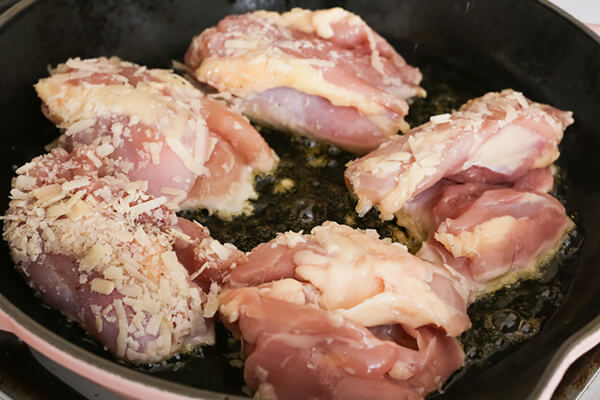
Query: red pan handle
[595, 28]
[6, 323]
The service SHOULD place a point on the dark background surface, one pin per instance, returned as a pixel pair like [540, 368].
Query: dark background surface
[521, 44]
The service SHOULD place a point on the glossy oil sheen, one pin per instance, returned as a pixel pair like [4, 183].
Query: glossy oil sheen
[464, 48]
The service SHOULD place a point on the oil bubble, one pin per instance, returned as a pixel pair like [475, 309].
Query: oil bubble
[506, 321]
[304, 210]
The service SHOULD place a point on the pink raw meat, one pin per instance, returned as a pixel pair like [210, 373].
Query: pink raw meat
[324, 74]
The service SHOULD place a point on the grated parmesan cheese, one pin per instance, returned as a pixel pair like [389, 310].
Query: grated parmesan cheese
[148, 205]
[102, 286]
[99, 254]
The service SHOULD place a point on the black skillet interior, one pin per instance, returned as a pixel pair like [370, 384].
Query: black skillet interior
[473, 46]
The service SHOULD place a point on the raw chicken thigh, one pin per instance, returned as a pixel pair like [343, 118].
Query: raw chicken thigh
[497, 138]
[324, 74]
[473, 183]
[100, 249]
[156, 127]
[348, 315]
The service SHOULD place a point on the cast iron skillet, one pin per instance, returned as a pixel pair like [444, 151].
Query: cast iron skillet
[527, 45]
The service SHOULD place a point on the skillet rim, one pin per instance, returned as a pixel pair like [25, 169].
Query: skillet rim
[23, 321]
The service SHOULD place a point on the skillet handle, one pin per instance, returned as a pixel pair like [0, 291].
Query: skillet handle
[595, 28]
[6, 322]
[578, 344]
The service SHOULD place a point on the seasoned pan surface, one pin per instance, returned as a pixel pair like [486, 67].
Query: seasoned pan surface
[464, 49]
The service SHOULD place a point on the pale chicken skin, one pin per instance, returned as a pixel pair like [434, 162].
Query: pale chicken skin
[155, 126]
[296, 305]
[102, 251]
[494, 235]
[497, 138]
[396, 287]
[324, 74]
